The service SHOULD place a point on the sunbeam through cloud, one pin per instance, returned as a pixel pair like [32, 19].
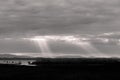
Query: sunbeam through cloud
[91, 45]
[42, 42]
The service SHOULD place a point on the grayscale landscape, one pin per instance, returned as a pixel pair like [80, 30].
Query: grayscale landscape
[60, 39]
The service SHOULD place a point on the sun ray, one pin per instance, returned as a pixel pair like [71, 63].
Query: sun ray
[43, 45]
[87, 46]
[42, 42]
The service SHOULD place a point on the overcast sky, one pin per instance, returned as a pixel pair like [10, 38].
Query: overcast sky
[21, 18]
[58, 16]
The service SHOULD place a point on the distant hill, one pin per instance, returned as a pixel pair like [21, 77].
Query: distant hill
[69, 56]
[12, 56]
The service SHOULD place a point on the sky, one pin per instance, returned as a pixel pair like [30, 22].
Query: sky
[29, 18]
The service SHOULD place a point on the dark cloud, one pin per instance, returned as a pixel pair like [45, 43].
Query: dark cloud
[57, 16]
[19, 18]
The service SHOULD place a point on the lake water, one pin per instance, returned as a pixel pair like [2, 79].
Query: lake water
[18, 62]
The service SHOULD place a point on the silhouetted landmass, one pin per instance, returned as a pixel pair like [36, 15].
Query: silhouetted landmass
[77, 61]
[65, 69]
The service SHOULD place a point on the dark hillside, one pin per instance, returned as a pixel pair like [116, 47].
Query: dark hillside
[64, 70]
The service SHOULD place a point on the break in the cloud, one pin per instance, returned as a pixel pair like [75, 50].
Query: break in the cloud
[83, 45]
[28, 17]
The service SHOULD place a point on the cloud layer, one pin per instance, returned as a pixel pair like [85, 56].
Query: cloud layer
[28, 18]
[58, 16]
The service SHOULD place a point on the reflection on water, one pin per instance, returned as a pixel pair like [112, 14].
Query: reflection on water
[17, 62]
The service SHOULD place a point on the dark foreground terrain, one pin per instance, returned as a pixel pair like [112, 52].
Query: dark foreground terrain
[64, 69]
